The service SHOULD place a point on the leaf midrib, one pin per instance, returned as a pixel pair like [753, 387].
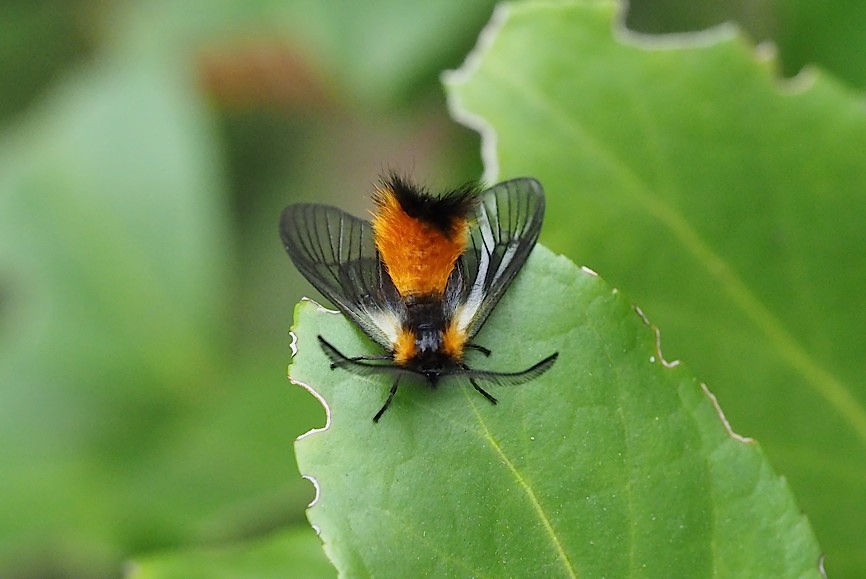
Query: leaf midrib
[526, 488]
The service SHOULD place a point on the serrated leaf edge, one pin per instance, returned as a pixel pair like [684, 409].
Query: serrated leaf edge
[461, 75]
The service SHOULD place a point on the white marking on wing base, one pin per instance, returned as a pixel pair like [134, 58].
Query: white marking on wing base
[388, 322]
[469, 309]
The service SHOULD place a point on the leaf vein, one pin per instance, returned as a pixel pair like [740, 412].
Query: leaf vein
[527, 490]
[421, 539]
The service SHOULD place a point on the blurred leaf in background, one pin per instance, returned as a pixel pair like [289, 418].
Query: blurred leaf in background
[293, 553]
[38, 40]
[146, 150]
[828, 35]
[146, 299]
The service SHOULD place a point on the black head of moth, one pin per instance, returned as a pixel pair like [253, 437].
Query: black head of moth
[422, 277]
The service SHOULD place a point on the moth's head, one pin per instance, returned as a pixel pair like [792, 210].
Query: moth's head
[433, 364]
[433, 376]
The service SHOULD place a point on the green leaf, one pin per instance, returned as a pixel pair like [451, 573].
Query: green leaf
[808, 33]
[728, 203]
[614, 463]
[376, 52]
[381, 48]
[112, 263]
[295, 552]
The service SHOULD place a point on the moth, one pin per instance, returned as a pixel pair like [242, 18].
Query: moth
[422, 277]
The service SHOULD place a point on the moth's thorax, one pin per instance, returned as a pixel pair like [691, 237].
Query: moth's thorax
[428, 341]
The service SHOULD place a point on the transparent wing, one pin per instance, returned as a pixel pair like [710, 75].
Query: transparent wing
[336, 253]
[507, 223]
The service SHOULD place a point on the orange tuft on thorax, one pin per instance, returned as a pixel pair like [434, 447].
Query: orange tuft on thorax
[419, 256]
[454, 341]
[404, 347]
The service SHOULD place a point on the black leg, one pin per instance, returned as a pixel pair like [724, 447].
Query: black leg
[338, 359]
[388, 401]
[478, 348]
[368, 358]
[482, 391]
[331, 352]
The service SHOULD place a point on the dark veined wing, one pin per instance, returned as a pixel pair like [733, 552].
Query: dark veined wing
[336, 253]
[507, 223]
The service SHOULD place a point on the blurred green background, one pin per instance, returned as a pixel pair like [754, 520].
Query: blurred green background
[146, 150]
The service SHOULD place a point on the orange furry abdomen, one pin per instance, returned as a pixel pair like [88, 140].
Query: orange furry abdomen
[419, 256]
